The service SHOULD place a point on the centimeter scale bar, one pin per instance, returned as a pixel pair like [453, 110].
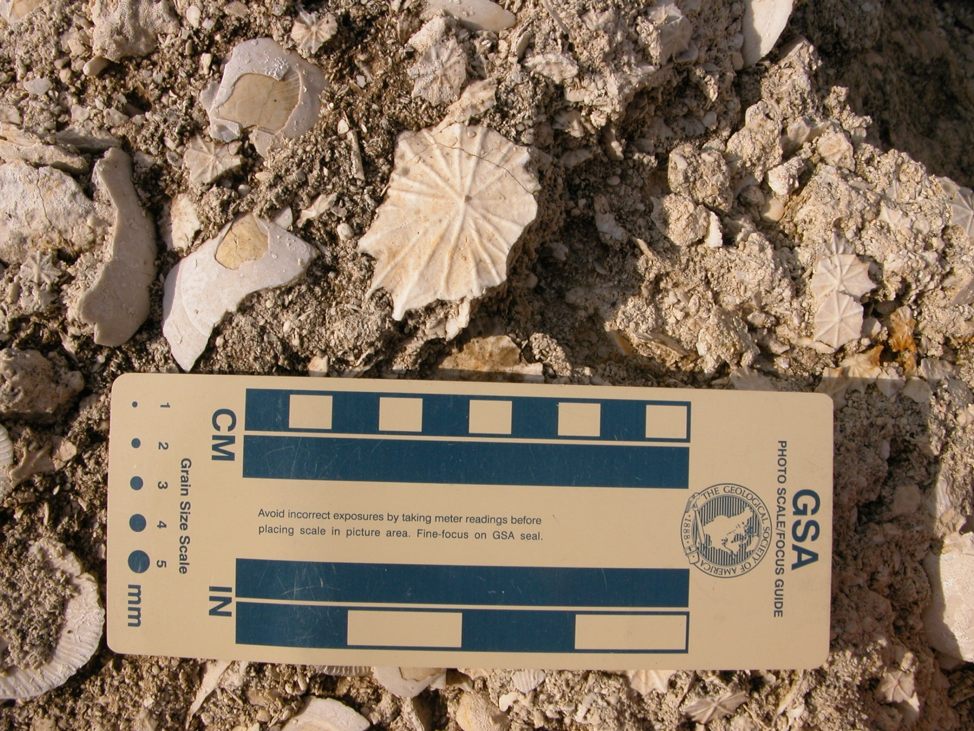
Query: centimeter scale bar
[459, 439]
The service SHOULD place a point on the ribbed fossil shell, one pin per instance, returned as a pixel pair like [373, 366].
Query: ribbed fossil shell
[841, 273]
[457, 202]
[310, 32]
[838, 320]
[84, 618]
[440, 73]
[6, 459]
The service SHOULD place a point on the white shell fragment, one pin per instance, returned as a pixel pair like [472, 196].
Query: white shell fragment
[763, 22]
[248, 255]
[83, 620]
[949, 619]
[527, 680]
[838, 320]
[207, 161]
[6, 460]
[709, 708]
[327, 714]
[440, 73]
[118, 302]
[457, 202]
[14, 11]
[406, 682]
[476, 14]
[310, 32]
[42, 208]
[270, 91]
[841, 273]
[129, 27]
[961, 205]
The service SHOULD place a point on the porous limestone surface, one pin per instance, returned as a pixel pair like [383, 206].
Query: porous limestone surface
[698, 218]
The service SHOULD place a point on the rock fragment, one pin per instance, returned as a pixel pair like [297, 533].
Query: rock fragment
[457, 203]
[129, 27]
[180, 223]
[680, 219]
[270, 91]
[701, 175]
[6, 460]
[17, 145]
[477, 713]
[118, 302]
[247, 255]
[949, 619]
[42, 208]
[32, 387]
[326, 714]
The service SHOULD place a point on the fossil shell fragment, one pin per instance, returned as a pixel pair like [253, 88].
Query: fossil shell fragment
[118, 302]
[266, 89]
[249, 254]
[14, 11]
[841, 273]
[310, 32]
[961, 205]
[476, 14]
[838, 320]
[475, 712]
[527, 680]
[406, 682]
[457, 202]
[763, 22]
[207, 160]
[327, 714]
[83, 620]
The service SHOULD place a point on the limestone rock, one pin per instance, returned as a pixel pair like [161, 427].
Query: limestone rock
[949, 619]
[326, 714]
[477, 713]
[406, 682]
[129, 27]
[42, 208]
[32, 387]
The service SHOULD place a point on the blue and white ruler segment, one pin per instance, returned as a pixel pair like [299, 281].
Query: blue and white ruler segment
[333, 521]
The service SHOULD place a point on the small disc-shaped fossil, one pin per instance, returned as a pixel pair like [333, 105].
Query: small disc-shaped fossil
[838, 320]
[457, 203]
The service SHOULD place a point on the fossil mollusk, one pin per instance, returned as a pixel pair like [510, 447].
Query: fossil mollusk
[249, 254]
[838, 320]
[527, 680]
[80, 633]
[841, 273]
[266, 89]
[763, 22]
[327, 713]
[310, 32]
[440, 73]
[207, 160]
[457, 202]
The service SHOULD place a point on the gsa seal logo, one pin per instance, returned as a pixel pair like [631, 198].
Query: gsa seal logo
[726, 530]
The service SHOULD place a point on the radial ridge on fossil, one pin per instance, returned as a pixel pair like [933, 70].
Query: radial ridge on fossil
[457, 202]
